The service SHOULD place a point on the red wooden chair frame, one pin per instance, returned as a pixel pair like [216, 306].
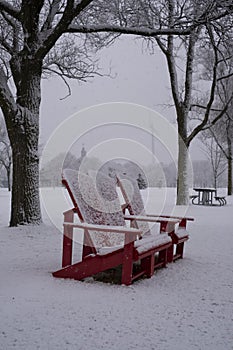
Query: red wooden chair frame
[93, 261]
[179, 237]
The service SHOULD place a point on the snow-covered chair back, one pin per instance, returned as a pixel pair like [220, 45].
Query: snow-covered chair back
[96, 199]
[133, 199]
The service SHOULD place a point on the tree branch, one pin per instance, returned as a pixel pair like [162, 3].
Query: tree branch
[225, 76]
[199, 127]
[54, 7]
[30, 14]
[11, 10]
[218, 143]
[161, 45]
[70, 12]
[169, 53]
[5, 45]
[142, 31]
[11, 49]
[7, 102]
[54, 71]
[204, 107]
[189, 70]
[224, 110]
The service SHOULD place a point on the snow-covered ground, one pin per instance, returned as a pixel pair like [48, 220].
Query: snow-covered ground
[188, 305]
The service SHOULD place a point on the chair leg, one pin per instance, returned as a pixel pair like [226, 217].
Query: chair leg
[170, 254]
[163, 257]
[88, 247]
[148, 265]
[180, 250]
[126, 277]
[127, 265]
[67, 239]
[67, 249]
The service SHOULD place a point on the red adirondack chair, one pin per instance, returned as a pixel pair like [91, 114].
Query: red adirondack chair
[134, 204]
[107, 241]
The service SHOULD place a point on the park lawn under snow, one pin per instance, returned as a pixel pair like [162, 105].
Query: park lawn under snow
[188, 305]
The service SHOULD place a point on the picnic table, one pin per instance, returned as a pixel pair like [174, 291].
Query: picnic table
[204, 196]
[207, 196]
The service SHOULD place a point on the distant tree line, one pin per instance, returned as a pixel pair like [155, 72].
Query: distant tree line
[164, 175]
[212, 172]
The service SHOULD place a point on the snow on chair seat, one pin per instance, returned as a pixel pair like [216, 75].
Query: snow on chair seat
[142, 245]
[107, 242]
[150, 242]
[181, 233]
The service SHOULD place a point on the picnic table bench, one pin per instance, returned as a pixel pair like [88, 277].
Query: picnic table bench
[206, 196]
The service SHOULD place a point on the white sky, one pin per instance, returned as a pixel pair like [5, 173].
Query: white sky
[140, 78]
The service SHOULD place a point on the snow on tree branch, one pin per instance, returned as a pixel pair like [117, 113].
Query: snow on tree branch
[143, 31]
[53, 11]
[10, 9]
[7, 100]
[48, 39]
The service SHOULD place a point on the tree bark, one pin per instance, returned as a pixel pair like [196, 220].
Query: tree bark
[23, 131]
[25, 204]
[183, 161]
[182, 175]
[8, 171]
[229, 167]
[215, 179]
[229, 182]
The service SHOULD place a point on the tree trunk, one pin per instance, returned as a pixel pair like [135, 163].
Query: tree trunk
[8, 171]
[229, 167]
[23, 131]
[182, 174]
[229, 174]
[215, 179]
[25, 205]
[183, 158]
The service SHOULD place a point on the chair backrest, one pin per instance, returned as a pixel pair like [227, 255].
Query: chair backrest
[133, 199]
[96, 199]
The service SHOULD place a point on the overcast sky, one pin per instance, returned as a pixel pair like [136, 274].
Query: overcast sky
[139, 77]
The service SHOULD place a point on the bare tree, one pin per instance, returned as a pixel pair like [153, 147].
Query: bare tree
[215, 155]
[221, 129]
[42, 36]
[229, 155]
[29, 31]
[37, 38]
[205, 20]
[183, 61]
[222, 134]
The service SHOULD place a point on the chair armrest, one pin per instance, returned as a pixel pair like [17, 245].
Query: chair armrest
[104, 228]
[69, 211]
[166, 224]
[151, 219]
[124, 206]
[172, 217]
